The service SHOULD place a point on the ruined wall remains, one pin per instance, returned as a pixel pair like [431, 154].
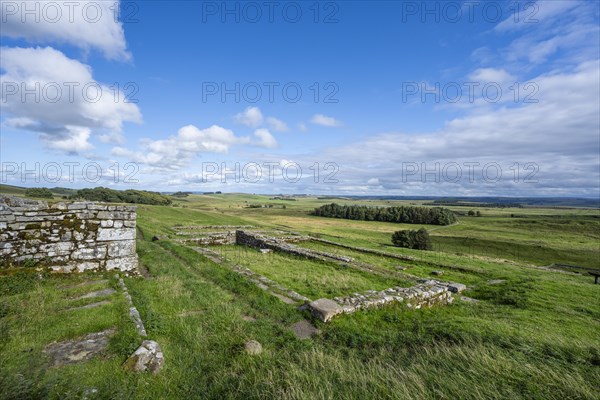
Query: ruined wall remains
[67, 237]
[259, 241]
[426, 294]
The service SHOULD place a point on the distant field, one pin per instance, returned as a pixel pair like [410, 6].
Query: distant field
[532, 235]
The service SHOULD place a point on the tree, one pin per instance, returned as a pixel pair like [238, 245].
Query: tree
[471, 213]
[44, 193]
[422, 241]
[402, 239]
[412, 239]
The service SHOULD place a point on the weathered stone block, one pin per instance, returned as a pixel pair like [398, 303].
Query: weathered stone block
[77, 206]
[122, 264]
[325, 309]
[115, 234]
[122, 248]
[147, 357]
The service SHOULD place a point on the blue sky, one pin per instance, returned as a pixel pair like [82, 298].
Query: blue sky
[393, 114]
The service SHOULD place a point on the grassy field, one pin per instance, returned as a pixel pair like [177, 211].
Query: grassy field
[532, 335]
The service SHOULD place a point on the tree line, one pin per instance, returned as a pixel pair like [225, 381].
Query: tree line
[122, 196]
[401, 214]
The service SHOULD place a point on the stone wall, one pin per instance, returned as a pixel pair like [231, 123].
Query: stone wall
[426, 294]
[213, 238]
[67, 237]
[259, 241]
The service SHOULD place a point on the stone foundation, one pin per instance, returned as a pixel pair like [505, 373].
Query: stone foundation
[67, 237]
[258, 241]
[426, 294]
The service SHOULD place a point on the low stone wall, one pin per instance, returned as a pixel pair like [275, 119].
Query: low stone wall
[72, 237]
[259, 241]
[213, 238]
[426, 294]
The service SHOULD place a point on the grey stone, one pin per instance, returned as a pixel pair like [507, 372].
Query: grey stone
[147, 357]
[324, 309]
[437, 273]
[116, 234]
[304, 329]
[496, 281]
[74, 351]
[98, 293]
[253, 347]
[92, 305]
[456, 287]
[139, 325]
[469, 299]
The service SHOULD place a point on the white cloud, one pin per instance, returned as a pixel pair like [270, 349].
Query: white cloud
[84, 24]
[277, 125]
[266, 139]
[500, 76]
[302, 127]
[68, 104]
[178, 151]
[559, 134]
[251, 116]
[323, 120]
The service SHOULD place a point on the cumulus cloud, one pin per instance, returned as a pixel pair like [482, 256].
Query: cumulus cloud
[84, 24]
[251, 116]
[265, 138]
[180, 150]
[277, 125]
[45, 91]
[324, 120]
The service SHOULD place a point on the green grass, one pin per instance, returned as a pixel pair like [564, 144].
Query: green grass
[310, 278]
[533, 336]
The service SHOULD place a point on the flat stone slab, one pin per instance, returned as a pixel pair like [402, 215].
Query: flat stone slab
[74, 351]
[248, 318]
[283, 298]
[91, 305]
[496, 281]
[324, 309]
[98, 293]
[304, 329]
[469, 299]
[88, 283]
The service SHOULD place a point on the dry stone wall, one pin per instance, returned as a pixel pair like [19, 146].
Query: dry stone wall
[67, 237]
